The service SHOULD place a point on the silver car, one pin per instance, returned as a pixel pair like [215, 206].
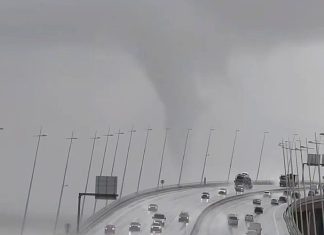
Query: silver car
[134, 227]
[153, 208]
[249, 218]
[232, 220]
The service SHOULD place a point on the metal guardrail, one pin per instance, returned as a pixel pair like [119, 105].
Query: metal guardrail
[124, 201]
[290, 222]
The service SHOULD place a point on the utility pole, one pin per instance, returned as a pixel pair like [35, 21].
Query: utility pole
[183, 156]
[230, 166]
[129, 144]
[63, 183]
[103, 163]
[31, 181]
[162, 156]
[95, 138]
[115, 154]
[140, 173]
[206, 155]
[264, 136]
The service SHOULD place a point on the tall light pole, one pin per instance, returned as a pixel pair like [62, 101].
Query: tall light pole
[162, 156]
[103, 163]
[264, 136]
[95, 138]
[140, 173]
[310, 179]
[63, 182]
[303, 181]
[230, 166]
[319, 175]
[31, 181]
[183, 156]
[129, 144]
[115, 154]
[206, 155]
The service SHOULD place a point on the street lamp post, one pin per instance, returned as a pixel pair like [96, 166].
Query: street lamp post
[319, 176]
[304, 188]
[31, 182]
[95, 138]
[103, 163]
[129, 144]
[140, 173]
[230, 166]
[162, 156]
[310, 179]
[206, 155]
[115, 154]
[264, 136]
[183, 156]
[63, 182]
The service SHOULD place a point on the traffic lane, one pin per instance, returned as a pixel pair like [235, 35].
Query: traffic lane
[170, 203]
[215, 221]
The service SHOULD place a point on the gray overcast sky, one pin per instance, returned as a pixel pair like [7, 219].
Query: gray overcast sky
[87, 65]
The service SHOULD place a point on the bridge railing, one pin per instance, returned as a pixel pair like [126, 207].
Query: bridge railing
[290, 221]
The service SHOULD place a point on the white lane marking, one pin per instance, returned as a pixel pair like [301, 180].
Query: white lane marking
[274, 218]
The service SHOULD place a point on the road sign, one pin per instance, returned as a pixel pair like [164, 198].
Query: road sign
[106, 185]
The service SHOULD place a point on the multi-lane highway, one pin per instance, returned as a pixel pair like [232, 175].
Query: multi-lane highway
[215, 220]
[172, 203]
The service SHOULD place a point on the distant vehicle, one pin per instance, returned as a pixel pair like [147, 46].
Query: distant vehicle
[258, 210]
[274, 202]
[314, 187]
[159, 218]
[249, 218]
[222, 191]
[232, 220]
[286, 192]
[156, 227]
[205, 196]
[255, 227]
[282, 199]
[110, 229]
[239, 189]
[184, 217]
[134, 227]
[311, 193]
[266, 194]
[244, 180]
[257, 201]
[296, 195]
[288, 180]
[153, 207]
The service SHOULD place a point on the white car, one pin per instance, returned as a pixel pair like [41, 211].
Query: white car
[222, 191]
[267, 194]
[256, 227]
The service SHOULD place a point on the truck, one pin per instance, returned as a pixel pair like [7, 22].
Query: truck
[243, 180]
[289, 180]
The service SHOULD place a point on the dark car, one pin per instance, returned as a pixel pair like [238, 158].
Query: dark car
[135, 227]
[311, 193]
[184, 217]
[159, 218]
[205, 196]
[257, 201]
[258, 210]
[282, 199]
[110, 229]
[296, 195]
[239, 188]
[153, 207]
[274, 201]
